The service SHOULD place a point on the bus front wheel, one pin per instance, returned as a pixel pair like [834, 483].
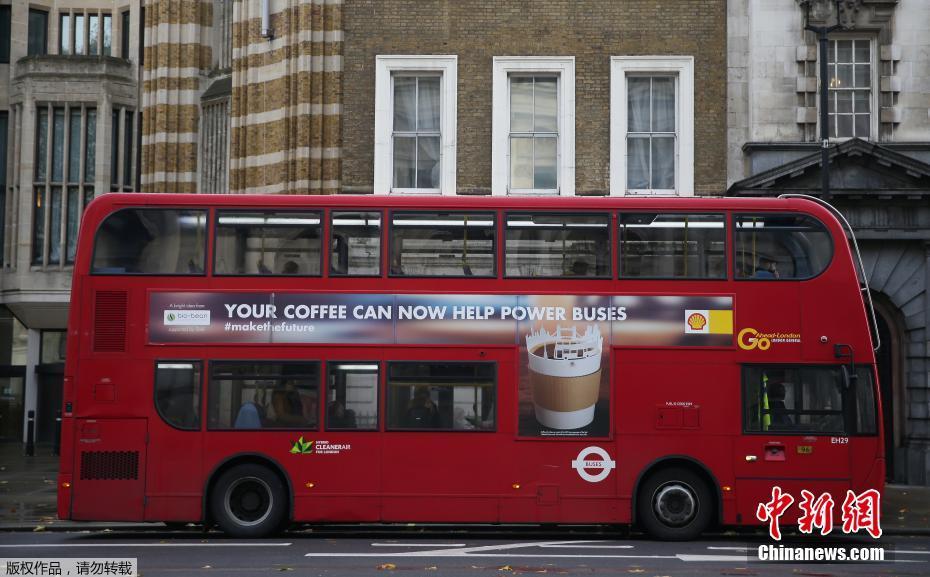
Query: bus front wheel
[249, 500]
[674, 504]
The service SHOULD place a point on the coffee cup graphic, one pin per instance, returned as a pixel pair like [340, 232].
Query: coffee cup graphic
[565, 375]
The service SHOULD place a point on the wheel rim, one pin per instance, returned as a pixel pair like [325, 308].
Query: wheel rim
[248, 501]
[675, 504]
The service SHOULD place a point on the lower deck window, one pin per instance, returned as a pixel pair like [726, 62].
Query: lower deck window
[264, 395]
[441, 396]
[352, 396]
[177, 393]
[807, 400]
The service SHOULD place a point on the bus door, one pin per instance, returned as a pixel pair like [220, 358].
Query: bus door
[794, 436]
[444, 455]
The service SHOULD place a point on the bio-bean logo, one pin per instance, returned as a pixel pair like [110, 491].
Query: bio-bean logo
[187, 317]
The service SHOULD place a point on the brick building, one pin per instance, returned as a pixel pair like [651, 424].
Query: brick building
[588, 97]
[879, 124]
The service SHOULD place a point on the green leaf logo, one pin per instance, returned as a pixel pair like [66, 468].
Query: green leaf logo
[302, 447]
[171, 317]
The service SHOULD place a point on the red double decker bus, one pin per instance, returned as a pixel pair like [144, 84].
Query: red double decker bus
[253, 361]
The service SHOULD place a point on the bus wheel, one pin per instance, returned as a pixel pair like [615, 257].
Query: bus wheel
[674, 505]
[249, 501]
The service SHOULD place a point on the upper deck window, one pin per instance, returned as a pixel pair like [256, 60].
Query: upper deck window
[780, 246]
[557, 245]
[151, 241]
[442, 244]
[673, 246]
[268, 243]
[355, 246]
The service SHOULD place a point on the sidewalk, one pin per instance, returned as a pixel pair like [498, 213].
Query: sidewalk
[28, 498]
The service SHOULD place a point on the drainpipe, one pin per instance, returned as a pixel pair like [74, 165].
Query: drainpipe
[266, 20]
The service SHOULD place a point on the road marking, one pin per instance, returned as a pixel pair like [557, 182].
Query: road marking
[455, 553]
[729, 558]
[729, 548]
[418, 544]
[49, 545]
[896, 552]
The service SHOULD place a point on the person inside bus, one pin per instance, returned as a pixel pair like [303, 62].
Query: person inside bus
[262, 268]
[421, 411]
[289, 407]
[338, 417]
[777, 409]
[252, 413]
[290, 267]
[767, 268]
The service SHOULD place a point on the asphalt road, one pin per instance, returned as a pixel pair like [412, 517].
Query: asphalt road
[355, 552]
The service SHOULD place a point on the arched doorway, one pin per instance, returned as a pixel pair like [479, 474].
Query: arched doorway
[890, 361]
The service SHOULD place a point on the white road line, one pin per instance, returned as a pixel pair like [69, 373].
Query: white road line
[729, 548]
[586, 546]
[730, 558]
[418, 544]
[457, 553]
[50, 545]
[899, 552]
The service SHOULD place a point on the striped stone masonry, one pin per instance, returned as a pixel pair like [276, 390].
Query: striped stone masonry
[285, 115]
[177, 52]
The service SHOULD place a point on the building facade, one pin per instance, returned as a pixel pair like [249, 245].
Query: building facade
[879, 169]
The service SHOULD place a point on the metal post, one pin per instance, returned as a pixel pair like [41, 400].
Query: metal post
[30, 433]
[824, 117]
[56, 447]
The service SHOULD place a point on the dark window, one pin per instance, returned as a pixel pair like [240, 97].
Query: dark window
[38, 224]
[356, 244]
[441, 396]
[557, 245]
[151, 241]
[124, 35]
[114, 149]
[38, 32]
[452, 244]
[90, 147]
[127, 149]
[5, 34]
[107, 34]
[807, 400]
[4, 124]
[264, 395]
[272, 243]
[672, 245]
[177, 393]
[141, 36]
[780, 246]
[352, 396]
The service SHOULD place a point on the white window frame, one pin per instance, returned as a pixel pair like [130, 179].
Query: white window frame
[874, 88]
[683, 68]
[385, 67]
[564, 67]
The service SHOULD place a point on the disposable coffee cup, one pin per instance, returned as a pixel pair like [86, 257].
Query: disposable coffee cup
[565, 375]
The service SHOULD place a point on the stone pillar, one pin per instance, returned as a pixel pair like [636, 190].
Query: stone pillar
[177, 52]
[31, 391]
[286, 101]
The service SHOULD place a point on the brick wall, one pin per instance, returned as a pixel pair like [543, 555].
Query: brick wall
[590, 30]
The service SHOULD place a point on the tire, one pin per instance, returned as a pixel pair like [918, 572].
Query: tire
[249, 500]
[674, 504]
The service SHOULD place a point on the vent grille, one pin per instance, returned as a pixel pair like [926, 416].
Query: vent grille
[110, 322]
[110, 465]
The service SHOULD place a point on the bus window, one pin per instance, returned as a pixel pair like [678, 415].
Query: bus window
[557, 245]
[151, 241]
[806, 400]
[448, 396]
[673, 246]
[267, 243]
[263, 395]
[177, 393]
[356, 244]
[352, 396]
[451, 244]
[780, 246]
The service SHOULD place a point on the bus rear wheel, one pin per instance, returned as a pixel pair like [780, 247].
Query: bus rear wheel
[249, 500]
[674, 504]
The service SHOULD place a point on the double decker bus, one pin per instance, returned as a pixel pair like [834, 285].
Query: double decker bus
[251, 362]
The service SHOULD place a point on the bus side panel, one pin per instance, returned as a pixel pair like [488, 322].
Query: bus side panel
[675, 407]
[110, 463]
[174, 497]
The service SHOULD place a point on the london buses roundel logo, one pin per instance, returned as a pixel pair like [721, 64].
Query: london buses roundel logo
[593, 458]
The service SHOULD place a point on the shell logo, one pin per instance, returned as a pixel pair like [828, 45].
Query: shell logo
[697, 322]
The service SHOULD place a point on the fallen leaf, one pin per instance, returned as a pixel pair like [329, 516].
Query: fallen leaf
[207, 567]
[505, 568]
[285, 568]
[635, 570]
[38, 528]
[387, 567]
[431, 568]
